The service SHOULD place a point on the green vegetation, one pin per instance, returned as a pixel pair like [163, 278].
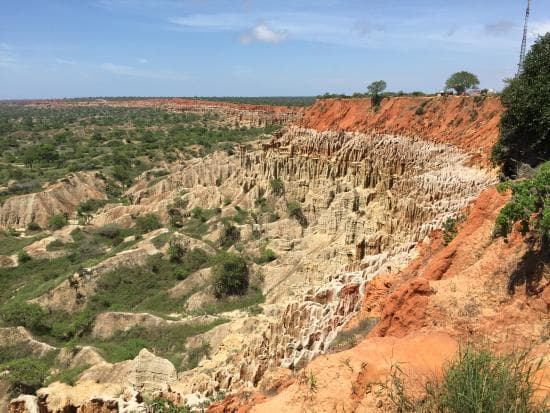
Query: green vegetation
[68, 376]
[58, 221]
[450, 230]
[375, 90]
[349, 338]
[477, 381]
[461, 81]
[26, 375]
[168, 342]
[525, 125]
[277, 187]
[165, 406]
[266, 255]
[43, 144]
[229, 275]
[295, 211]
[229, 236]
[530, 205]
[147, 223]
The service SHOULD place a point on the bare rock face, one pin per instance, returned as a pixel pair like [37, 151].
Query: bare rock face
[62, 197]
[20, 335]
[150, 373]
[24, 404]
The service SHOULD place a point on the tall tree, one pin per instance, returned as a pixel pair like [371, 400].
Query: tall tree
[525, 125]
[460, 81]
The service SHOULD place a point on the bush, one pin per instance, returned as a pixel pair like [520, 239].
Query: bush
[478, 381]
[33, 226]
[230, 275]
[58, 221]
[176, 252]
[277, 187]
[21, 313]
[449, 230]
[230, 235]
[26, 375]
[295, 211]
[529, 205]
[525, 125]
[110, 231]
[23, 257]
[267, 255]
[90, 206]
[147, 223]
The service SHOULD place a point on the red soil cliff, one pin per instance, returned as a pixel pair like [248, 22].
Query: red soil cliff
[472, 124]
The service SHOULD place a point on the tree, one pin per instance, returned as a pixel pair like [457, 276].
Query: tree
[39, 153]
[376, 88]
[460, 81]
[229, 275]
[525, 125]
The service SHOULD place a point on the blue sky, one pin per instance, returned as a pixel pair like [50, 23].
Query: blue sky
[71, 48]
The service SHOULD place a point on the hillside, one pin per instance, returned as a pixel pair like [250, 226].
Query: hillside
[335, 211]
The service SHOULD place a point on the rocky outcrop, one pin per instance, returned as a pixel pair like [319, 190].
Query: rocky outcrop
[63, 196]
[20, 336]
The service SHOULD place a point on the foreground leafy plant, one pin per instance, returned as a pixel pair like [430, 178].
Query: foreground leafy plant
[529, 205]
[478, 381]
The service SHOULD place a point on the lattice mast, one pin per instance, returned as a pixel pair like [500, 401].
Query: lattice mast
[524, 40]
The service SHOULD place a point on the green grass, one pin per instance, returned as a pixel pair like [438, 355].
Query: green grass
[478, 381]
[10, 245]
[252, 298]
[350, 338]
[167, 342]
[68, 376]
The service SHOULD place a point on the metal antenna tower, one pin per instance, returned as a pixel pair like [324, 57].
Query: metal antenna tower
[524, 41]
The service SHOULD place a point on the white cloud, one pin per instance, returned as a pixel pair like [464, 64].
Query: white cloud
[539, 28]
[65, 62]
[130, 71]
[143, 61]
[262, 33]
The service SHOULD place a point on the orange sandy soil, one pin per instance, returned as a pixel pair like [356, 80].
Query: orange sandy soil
[459, 121]
[449, 296]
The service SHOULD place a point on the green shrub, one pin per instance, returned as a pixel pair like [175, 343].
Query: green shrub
[33, 226]
[147, 223]
[26, 375]
[202, 214]
[110, 231]
[90, 206]
[58, 221]
[229, 236]
[230, 275]
[477, 381]
[68, 376]
[529, 205]
[267, 255]
[23, 257]
[165, 406]
[295, 211]
[176, 251]
[21, 313]
[277, 187]
[450, 230]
